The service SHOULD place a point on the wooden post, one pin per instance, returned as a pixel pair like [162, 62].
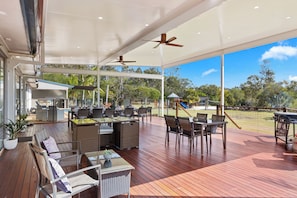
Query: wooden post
[176, 108]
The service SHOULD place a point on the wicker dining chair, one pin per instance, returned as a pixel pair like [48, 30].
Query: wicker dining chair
[172, 127]
[201, 117]
[187, 130]
[213, 129]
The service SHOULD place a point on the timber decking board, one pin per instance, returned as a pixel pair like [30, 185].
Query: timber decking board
[253, 165]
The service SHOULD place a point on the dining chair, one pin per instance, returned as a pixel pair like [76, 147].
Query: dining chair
[141, 113]
[172, 127]
[213, 129]
[200, 117]
[97, 113]
[83, 113]
[149, 111]
[59, 150]
[106, 130]
[53, 182]
[128, 112]
[187, 130]
[109, 113]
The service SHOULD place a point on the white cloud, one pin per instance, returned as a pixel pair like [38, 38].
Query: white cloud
[280, 53]
[293, 78]
[209, 72]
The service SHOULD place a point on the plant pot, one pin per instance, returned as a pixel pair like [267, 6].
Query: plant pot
[107, 163]
[10, 144]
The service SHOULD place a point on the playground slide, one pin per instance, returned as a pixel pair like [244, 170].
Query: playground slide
[184, 105]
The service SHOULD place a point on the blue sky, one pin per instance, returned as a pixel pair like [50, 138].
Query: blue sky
[240, 65]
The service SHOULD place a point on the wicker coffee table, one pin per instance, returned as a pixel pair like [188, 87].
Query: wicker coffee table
[115, 179]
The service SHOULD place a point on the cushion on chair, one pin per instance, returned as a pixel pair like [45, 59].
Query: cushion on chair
[63, 184]
[50, 146]
[105, 129]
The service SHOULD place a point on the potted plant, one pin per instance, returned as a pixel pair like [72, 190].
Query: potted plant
[22, 122]
[107, 156]
[12, 129]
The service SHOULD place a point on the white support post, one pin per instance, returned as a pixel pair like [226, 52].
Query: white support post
[98, 86]
[162, 83]
[10, 91]
[23, 97]
[222, 83]
[162, 93]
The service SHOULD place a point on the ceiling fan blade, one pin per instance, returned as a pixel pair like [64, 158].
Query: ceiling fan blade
[128, 61]
[175, 45]
[157, 45]
[171, 39]
[123, 64]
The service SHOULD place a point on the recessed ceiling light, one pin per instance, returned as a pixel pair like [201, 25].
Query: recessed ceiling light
[256, 7]
[77, 47]
[198, 33]
[100, 18]
[288, 17]
[146, 25]
[2, 13]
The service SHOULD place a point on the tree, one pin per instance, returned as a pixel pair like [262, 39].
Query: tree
[211, 91]
[257, 89]
[176, 85]
[234, 97]
[192, 96]
[267, 75]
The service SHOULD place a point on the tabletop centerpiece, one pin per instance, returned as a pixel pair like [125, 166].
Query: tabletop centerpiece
[107, 156]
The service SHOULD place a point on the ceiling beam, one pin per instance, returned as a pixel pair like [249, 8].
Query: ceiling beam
[101, 73]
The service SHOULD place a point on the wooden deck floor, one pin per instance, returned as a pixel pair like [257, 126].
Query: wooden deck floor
[251, 166]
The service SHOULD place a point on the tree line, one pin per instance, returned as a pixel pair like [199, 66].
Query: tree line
[259, 90]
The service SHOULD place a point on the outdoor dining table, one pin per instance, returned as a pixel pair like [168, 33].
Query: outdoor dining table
[213, 124]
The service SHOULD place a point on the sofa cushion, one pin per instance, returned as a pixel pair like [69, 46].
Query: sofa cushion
[62, 184]
[50, 146]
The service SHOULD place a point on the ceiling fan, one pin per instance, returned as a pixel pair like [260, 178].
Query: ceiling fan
[167, 42]
[122, 61]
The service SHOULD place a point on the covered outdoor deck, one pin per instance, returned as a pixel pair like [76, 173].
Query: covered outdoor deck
[251, 166]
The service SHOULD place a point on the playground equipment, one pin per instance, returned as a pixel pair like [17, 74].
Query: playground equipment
[184, 105]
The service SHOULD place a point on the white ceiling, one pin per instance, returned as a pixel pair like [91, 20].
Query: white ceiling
[73, 34]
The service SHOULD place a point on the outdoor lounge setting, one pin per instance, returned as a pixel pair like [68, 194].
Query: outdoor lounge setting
[94, 101]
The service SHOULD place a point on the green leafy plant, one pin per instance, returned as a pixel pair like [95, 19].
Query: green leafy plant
[13, 128]
[107, 154]
[22, 122]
